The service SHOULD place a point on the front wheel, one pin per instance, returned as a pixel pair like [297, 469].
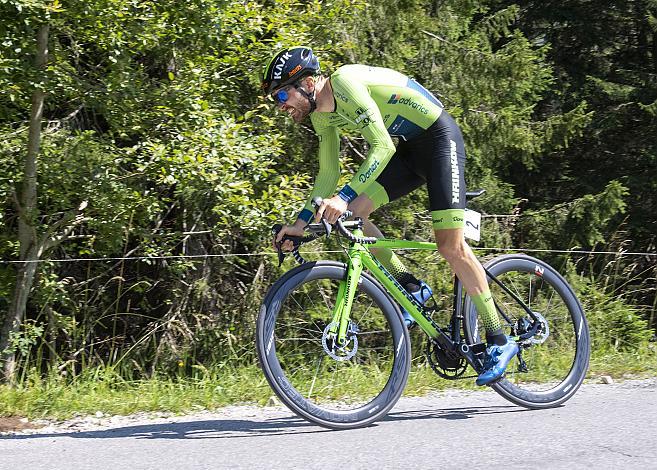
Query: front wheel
[336, 387]
[553, 363]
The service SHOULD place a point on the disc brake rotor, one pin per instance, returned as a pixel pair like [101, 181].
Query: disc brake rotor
[543, 333]
[344, 352]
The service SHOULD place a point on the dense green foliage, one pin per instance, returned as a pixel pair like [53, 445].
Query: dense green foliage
[604, 54]
[153, 116]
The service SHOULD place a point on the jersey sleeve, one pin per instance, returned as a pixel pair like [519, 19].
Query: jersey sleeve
[362, 111]
[329, 168]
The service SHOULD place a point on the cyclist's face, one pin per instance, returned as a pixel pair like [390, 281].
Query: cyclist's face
[289, 100]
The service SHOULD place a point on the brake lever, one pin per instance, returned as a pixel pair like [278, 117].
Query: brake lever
[327, 227]
[281, 254]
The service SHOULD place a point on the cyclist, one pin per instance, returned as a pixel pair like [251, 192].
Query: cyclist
[380, 104]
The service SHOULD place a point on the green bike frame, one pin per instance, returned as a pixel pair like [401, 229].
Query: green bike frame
[360, 257]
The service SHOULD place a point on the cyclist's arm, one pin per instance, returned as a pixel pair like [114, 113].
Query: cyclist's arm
[329, 169]
[362, 111]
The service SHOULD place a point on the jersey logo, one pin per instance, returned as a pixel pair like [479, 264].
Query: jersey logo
[364, 117]
[394, 98]
[341, 96]
[397, 99]
[365, 176]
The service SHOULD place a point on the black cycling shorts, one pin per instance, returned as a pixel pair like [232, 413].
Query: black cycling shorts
[435, 157]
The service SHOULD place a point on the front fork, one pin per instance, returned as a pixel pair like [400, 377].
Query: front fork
[346, 293]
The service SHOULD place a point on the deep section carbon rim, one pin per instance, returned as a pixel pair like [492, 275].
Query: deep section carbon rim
[337, 386]
[555, 359]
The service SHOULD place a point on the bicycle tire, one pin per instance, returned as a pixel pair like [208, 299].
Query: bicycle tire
[275, 318]
[545, 384]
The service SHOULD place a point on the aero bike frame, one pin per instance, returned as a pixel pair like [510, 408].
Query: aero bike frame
[360, 257]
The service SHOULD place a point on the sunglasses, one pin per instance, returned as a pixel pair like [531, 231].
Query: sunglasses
[281, 96]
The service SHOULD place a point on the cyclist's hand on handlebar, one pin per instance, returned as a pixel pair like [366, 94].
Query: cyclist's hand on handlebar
[331, 209]
[295, 230]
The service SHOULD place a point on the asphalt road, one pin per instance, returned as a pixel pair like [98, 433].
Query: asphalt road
[602, 426]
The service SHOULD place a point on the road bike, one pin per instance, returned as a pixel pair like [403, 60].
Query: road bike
[334, 348]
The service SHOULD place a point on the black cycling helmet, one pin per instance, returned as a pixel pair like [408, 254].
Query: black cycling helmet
[289, 66]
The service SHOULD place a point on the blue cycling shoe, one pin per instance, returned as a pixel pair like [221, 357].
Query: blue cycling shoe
[497, 358]
[422, 293]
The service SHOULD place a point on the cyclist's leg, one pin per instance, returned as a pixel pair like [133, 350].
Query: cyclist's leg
[446, 184]
[453, 247]
[362, 207]
[396, 180]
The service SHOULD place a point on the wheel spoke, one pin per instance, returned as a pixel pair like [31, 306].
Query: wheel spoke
[312, 385]
[529, 297]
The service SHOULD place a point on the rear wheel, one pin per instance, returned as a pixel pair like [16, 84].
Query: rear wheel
[552, 363]
[336, 387]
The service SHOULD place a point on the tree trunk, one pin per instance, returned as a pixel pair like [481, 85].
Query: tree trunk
[27, 217]
[654, 50]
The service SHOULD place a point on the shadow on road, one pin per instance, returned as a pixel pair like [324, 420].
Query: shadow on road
[451, 413]
[236, 428]
[208, 429]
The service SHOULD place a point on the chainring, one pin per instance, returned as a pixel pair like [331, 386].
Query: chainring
[447, 365]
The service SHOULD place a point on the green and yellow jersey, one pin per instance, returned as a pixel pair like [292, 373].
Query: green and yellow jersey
[380, 104]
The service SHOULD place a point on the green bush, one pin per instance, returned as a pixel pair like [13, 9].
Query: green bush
[614, 324]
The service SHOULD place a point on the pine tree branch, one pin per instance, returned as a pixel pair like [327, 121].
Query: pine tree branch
[442, 39]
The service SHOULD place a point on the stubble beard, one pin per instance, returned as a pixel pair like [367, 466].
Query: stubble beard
[301, 113]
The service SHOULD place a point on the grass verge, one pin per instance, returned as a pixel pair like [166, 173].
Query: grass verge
[104, 390]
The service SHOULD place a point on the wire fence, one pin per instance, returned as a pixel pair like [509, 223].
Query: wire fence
[273, 253]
